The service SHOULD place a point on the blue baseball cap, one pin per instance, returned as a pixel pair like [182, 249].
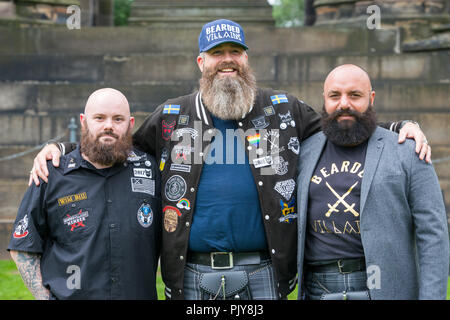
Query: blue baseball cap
[220, 31]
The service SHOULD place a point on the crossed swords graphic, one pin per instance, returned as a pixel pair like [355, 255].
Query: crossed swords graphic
[332, 208]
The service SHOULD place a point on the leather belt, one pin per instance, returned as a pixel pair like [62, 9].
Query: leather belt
[342, 266]
[227, 260]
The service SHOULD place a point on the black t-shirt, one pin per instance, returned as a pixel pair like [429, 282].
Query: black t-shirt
[333, 230]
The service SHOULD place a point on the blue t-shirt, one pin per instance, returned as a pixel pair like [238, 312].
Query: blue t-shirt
[227, 215]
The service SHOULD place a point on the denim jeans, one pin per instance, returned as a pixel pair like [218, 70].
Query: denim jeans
[261, 284]
[317, 284]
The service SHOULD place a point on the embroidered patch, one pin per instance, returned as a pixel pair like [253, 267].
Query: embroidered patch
[191, 131]
[171, 109]
[180, 167]
[286, 120]
[145, 215]
[183, 120]
[21, 230]
[262, 162]
[269, 111]
[285, 188]
[143, 185]
[72, 163]
[260, 122]
[132, 157]
[72, 198]
[280, 166]
[254, 139]
[164, 157]
[294, 145]
[184, 204]
[279, 98]
[142, 173]
[77, 220]
[175, 188]
[167, 129]
[171, 215]
[288, 213]
[273, 137]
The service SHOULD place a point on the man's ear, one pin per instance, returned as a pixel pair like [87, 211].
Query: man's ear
[200, 62]
[82, 118]
[131, 123]
[372, 97]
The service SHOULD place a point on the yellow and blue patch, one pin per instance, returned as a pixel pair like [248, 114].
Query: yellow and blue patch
[171, 109]
[279, 98]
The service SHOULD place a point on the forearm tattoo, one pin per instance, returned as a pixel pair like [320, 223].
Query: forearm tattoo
[29, 266]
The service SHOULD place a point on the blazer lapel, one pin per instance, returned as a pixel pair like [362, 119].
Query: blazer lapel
[373, 154]
[309, 164]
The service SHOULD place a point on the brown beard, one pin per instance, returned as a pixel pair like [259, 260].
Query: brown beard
[105, 154]
[228, 98]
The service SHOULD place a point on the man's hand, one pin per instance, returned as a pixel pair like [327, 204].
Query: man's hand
[412, 130]
[40, 170]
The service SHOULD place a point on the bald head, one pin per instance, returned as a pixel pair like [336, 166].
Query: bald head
[107, 98]
[348, 73]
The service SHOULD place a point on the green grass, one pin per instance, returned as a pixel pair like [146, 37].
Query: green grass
[13, 288]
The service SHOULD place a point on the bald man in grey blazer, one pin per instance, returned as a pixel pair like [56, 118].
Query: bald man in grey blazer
[371, 217]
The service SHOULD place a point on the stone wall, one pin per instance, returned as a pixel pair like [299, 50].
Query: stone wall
[48, 73]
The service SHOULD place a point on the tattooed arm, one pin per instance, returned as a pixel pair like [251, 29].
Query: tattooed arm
[29, 266]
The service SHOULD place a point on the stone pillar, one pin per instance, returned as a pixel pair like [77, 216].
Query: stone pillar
[197, 12]
[423, 24]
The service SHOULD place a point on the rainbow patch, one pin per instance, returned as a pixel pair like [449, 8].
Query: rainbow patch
[254, 139]
[184, 204]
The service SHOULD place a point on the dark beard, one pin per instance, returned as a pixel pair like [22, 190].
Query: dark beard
[228, 98]
[105, 154]
[349, 133]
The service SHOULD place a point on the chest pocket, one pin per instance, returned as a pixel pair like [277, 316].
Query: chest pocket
[74, 222]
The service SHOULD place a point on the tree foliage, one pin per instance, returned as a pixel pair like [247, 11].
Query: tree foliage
[288, 13]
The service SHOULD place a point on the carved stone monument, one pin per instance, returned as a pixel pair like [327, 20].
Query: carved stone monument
[424, 24]
[197, 12]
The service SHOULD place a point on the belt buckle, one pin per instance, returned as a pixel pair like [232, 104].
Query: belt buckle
[213, 255]
[340, 266]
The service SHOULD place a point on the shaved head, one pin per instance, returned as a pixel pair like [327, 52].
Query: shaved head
[346, 73]
[107, 97]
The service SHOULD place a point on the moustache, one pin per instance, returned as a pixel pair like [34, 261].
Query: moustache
[339, 113]
[107, 133]
[226, 65]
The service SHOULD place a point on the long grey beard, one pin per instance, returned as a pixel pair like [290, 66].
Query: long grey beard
[228, 98]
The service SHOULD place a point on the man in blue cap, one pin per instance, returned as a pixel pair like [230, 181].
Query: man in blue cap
[228, 157]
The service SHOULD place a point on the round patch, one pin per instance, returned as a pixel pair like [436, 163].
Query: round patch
[171, 215]
[175, 188]
[145, 215]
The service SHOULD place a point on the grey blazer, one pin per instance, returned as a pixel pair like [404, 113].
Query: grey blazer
[403, 220]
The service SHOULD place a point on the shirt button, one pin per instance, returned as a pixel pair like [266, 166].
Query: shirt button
[267, 217]
[187, 224]
[260, 183]
[273, 251]
[109, 201]
[181, 258]
[192, 189]
[201, 154]
[240, 124]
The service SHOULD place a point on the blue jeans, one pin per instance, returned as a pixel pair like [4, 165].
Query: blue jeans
[261, 284]
[317, 284]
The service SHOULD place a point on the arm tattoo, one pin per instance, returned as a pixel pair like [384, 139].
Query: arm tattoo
[29, 266]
